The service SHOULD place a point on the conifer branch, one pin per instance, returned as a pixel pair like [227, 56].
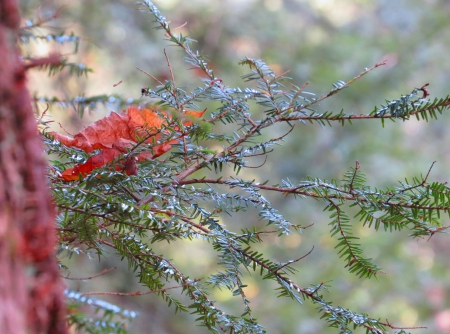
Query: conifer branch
[192, 190]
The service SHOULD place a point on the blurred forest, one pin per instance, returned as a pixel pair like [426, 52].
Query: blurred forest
[320, 42]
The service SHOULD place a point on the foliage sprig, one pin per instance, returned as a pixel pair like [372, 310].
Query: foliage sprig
[188, 193]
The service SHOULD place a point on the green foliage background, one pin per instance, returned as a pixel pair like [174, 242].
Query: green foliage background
[319, 41]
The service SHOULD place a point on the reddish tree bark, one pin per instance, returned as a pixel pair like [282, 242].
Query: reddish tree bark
[31, 292]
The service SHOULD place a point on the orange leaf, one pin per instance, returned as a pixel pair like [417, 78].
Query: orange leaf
[195, 113]
[116, 133]
[192, 113]
[101, 134]
[145, 118]
[96, 161]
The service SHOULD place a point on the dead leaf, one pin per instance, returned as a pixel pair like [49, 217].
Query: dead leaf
[115, 134]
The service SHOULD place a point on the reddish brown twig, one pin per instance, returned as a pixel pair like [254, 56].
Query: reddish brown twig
[53, 59]
[137, 293]
[105, 271]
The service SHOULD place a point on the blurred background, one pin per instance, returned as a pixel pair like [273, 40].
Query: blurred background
[320, 42]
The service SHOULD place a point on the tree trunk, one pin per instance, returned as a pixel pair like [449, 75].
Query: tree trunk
[31, 292]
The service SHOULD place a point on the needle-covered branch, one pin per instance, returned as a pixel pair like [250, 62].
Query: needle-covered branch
[174, 175]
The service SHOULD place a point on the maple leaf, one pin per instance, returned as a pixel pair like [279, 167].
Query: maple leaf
[116, 133]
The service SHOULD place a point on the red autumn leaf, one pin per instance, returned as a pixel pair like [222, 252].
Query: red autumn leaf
[116, 133]
[105, 156]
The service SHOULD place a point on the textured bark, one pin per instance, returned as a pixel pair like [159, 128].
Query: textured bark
[31, 292]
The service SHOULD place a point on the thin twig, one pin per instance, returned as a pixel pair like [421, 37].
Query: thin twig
[265, 160]
[151, 76]
[170, 67]
[428, 174]
[136, 293]
[105, 271]
[54, 59]
[348, 83]
[117, 84]
[293, 261]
